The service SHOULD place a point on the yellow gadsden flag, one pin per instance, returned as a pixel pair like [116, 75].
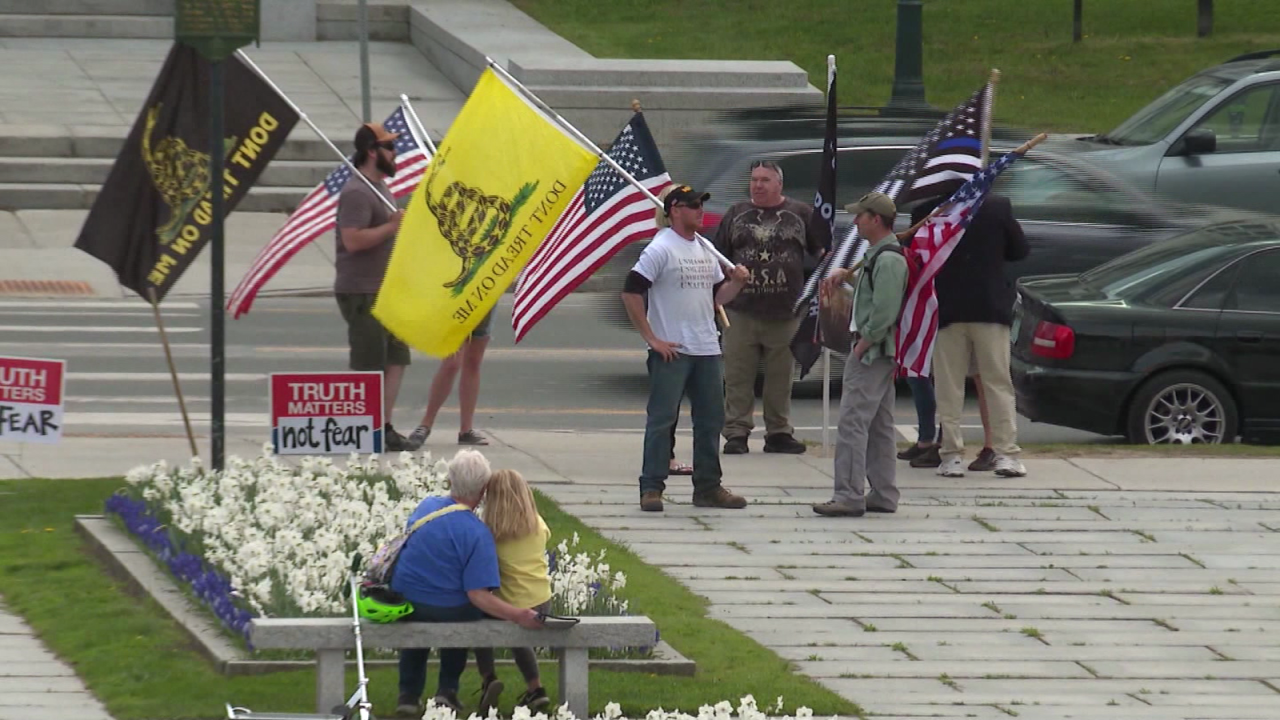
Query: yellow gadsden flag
[500, 180]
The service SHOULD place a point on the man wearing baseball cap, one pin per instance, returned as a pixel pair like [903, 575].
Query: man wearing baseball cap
[684, 282]
[865, 439]
[366, 233]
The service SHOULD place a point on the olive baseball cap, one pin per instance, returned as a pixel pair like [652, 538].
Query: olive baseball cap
[876, 202]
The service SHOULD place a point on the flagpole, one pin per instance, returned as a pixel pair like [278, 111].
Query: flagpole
[345, 160]
[173, 371]
[604, 157]
[422, 130]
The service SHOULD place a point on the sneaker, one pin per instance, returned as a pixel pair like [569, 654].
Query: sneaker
[409, 707]
[651, 501]
[1009, 466]
[930, 458]
[985, 462]
[913, 452]
[419, 436]
[535, 699]
[784, 443]
[831, 508]
[720, 498]
[736, 446]
[952, 467]
[449, 700]
[879, 509]
[489, 692]
[393, 441]
[471, 437]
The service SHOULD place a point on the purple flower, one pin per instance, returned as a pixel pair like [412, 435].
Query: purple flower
[208, 585]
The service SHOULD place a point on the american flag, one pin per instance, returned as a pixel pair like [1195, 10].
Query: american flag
[607, 213]
[318, 212]
[947, 156]
[932, 245]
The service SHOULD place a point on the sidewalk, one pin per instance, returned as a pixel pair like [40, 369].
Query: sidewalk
[36, 685]
[1093, 588]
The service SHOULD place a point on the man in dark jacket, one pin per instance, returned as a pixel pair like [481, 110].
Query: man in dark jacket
[975, 312]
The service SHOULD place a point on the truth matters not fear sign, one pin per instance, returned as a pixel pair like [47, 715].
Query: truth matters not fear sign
[326, 413]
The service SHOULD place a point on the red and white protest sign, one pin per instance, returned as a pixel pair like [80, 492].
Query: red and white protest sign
[326, 413]
[31, 399]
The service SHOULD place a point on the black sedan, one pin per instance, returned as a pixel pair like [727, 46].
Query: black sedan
[1178, 342]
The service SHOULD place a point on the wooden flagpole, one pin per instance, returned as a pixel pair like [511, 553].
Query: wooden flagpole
[173, 372]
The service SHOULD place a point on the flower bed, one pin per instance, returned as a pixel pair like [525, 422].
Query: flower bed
[264, 538]
[723, 710]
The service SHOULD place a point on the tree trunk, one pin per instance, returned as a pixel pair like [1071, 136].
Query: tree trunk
[1204, 18]
[1077, 21]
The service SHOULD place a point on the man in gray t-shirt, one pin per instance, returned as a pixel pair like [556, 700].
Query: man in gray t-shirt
[365, 237]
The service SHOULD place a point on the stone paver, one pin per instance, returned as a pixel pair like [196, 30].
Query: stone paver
[1091, 589]
[34, 683]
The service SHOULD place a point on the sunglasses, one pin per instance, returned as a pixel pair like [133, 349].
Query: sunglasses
[695, 205]
[388, 145]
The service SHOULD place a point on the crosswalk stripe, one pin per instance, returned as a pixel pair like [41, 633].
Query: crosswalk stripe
[71, 420]
[90, 329]
[160, 376]
[96, 304]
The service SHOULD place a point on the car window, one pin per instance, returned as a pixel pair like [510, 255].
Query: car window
[1039, 191]
[857, 172]
[1245, 123]
[1149, 271]
[1256, 288]
[1212, 295]
[1157, 120]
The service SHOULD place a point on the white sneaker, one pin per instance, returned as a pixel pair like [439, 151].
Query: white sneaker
[952, 466]
[1007, 466]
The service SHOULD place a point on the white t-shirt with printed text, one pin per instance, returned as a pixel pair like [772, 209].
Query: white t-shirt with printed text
[681, 302]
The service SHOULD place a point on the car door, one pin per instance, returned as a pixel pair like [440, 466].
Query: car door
[1249, 338]
[1244, 168]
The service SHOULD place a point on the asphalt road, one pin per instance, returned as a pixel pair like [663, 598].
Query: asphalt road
[574, 371]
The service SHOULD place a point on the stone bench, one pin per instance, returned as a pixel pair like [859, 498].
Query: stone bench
[330, 638]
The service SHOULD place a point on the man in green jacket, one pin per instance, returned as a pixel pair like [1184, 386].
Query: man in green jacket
[865, 439]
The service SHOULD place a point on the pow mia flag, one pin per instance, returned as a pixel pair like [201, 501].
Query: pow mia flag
[154, 213]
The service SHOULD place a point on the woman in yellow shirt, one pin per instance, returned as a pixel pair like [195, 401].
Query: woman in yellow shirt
[521, 537]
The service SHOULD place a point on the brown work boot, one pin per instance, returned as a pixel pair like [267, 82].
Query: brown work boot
[651, 501]
[720, 498]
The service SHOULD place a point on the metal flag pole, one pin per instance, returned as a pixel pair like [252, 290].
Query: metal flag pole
[364, 61]
[173, 371]
[604, 157]
[218, 319]
[421, 129]
[294, 106]
[826, 351]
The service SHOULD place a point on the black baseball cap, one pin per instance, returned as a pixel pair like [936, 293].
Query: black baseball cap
[683, 193]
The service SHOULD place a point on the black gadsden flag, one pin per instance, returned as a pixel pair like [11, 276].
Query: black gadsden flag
[155, 211]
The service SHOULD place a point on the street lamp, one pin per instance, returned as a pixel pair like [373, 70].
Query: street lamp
[908, 66]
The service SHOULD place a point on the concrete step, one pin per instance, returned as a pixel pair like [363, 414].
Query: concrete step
[85, 26]
[67, 196]
[87, 7]
[703, 75]
[81, 171]
[23, 141]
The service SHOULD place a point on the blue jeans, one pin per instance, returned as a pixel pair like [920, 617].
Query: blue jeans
[701, 379]
[413, 661]
[926, 407]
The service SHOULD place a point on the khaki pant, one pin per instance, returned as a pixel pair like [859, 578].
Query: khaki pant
[986, 345]
[747, 341]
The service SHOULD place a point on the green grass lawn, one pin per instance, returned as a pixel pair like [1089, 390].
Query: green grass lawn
[140, 664]
[1133, 51]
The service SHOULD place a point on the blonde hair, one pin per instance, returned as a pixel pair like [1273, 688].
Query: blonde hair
[659, 217]
[509, 510]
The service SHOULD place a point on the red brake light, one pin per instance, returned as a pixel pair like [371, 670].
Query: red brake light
[1054, 341]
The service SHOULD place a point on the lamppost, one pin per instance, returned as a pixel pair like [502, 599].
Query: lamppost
[908, 66]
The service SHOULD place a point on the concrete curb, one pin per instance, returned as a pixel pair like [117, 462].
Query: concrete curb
[129, 563]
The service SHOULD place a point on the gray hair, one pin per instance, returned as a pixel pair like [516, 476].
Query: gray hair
[468, 474]
[769, 165]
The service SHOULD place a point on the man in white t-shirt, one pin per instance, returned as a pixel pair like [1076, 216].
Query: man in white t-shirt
[684, 283]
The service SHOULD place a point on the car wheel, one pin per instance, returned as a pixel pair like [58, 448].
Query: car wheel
[1182, 407]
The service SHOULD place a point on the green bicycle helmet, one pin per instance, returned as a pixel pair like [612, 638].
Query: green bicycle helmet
[381, 605]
